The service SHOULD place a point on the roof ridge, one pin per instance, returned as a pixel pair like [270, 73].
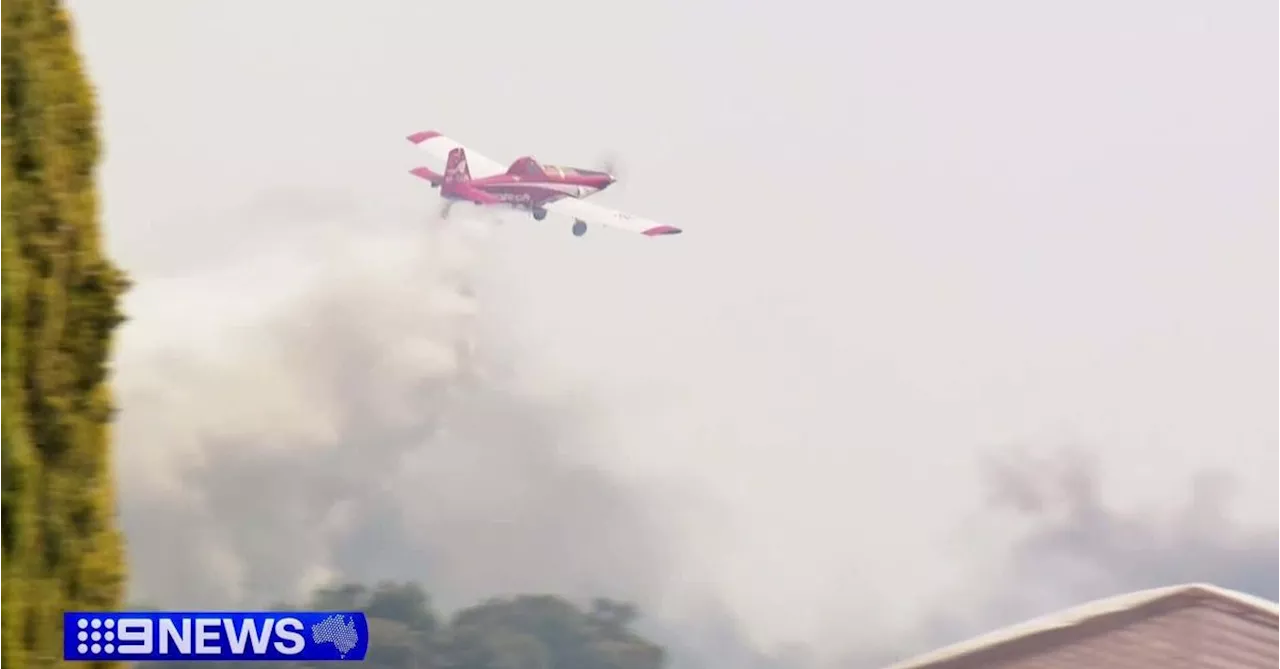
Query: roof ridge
[1080, 613]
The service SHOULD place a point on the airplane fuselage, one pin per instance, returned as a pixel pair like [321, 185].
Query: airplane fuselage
[525, 192]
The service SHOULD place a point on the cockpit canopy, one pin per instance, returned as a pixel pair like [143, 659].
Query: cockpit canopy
[525, 167]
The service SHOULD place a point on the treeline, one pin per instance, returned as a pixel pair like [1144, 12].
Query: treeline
[61, 546]
[525, 632]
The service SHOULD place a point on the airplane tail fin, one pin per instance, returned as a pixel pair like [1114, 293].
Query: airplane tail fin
[456, 170]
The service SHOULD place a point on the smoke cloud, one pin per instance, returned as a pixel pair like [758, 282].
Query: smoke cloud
[1075, 548]
[363, 428]
[368, 423]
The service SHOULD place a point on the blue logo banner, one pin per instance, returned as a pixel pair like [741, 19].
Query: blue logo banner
[224, 636]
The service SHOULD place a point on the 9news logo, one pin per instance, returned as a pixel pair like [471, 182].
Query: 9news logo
[148, 636]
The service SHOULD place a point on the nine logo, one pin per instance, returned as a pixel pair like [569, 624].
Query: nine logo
[228, 636]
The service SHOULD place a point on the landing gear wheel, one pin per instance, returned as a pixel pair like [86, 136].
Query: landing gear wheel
[539, 213]
[579, 228]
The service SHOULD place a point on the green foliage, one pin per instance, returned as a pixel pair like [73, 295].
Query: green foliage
[61, 549]
[526, 632]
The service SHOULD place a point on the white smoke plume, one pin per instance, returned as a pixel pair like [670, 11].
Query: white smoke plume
[360, 427]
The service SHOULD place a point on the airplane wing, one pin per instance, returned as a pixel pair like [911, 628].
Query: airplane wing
[438, 146]
[591, 213]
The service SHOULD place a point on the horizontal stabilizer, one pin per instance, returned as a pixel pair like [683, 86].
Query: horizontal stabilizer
[424, 173]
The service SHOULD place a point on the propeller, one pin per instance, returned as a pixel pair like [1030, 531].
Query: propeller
[609, 165]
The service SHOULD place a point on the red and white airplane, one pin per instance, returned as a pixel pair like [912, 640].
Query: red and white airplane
[525, 185]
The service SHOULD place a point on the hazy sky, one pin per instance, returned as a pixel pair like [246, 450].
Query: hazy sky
[917, 235]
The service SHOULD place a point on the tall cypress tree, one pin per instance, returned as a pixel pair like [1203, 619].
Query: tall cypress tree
[61, 548]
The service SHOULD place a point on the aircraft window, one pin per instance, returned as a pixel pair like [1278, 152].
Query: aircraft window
[527, 167]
